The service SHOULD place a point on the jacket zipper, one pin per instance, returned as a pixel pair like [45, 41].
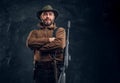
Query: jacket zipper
[46, 32]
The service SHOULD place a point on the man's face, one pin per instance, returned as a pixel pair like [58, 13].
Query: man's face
[47, 18]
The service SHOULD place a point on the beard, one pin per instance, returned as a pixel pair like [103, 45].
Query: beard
[47, 22]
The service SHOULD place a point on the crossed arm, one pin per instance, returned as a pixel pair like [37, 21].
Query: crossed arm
[47, 44]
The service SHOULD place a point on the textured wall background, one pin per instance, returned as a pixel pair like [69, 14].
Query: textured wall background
[94, 38]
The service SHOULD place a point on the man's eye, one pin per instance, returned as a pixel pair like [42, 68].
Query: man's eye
[50, 14]
[45, 13]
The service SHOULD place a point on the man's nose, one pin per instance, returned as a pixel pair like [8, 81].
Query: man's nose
[48, 15]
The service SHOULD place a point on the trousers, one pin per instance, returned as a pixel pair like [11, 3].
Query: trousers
[44, 71]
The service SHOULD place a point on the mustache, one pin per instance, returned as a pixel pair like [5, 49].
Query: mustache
[47, 19]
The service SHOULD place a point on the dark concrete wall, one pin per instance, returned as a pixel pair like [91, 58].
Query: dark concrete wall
[94, 38]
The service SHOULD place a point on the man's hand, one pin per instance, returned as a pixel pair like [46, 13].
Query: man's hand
[51, 39]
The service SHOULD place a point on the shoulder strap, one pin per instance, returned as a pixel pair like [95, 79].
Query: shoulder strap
[54, 32]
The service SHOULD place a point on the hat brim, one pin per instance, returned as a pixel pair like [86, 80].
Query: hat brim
[54, 11]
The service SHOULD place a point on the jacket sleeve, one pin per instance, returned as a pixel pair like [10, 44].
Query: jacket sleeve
[34, 42]
[58, 43]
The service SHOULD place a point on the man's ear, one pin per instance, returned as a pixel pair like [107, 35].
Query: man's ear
[41, 18]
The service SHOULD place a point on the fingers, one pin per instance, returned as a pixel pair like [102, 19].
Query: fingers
[51, 39]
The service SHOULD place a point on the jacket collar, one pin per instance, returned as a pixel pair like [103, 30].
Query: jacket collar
[41, 26]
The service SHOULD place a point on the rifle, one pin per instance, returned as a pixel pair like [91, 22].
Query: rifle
[67, 58]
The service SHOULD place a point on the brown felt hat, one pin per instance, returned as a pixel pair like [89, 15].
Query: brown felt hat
[47, 8]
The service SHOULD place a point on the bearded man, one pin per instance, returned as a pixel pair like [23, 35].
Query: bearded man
[46, 47]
